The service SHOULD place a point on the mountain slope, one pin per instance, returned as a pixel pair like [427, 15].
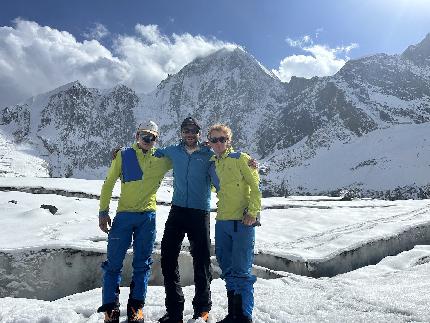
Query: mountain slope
[297, 130]
[74, 127]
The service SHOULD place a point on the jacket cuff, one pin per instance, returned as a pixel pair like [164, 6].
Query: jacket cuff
[103, 214]
[253, 214]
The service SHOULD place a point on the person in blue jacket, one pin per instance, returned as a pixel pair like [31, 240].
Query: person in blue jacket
[189, 214]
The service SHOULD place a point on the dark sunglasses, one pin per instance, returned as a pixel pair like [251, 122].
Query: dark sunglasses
[147, 137]
[194, 131]
[214, 140]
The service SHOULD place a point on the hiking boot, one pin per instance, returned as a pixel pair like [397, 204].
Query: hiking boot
[230, 318]
[239, 317]
[167, 319]
[112, 312]
[243, 319]
[135, 311]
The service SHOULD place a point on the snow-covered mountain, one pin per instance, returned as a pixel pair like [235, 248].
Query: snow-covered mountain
[73, 127]
[363, 128]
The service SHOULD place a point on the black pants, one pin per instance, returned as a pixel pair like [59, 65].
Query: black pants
[195, 223]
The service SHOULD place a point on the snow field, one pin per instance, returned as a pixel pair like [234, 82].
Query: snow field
[51, 252]
[395, 290]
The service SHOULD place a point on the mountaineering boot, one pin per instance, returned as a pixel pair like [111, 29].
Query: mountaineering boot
[244, 319]
[135, 311]
[111, 311]
[167, 319]
[230, 318]
[239, 317]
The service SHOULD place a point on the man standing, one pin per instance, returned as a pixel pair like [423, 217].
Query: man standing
[140, 174]
[239, 203]
[189, 215]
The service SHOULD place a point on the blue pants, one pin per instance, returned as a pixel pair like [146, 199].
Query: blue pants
[139, 226]
[234, 248]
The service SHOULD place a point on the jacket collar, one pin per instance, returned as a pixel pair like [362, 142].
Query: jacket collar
[223, 155]
[136, 147]
[202, 147]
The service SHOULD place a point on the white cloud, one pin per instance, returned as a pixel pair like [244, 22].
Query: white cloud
[98, 32]
[153, 56]
[322, 61]
[306, 39]
[38, 59]
[35, 59]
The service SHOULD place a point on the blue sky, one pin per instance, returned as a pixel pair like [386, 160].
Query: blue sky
[303, 38]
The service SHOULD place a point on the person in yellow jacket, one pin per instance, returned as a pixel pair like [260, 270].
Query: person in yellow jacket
[239, 204]
[141, 174]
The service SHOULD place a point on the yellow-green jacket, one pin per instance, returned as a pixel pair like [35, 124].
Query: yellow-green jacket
[237, 185]
[140, 174]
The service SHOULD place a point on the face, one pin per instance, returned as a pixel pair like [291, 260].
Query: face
[218, 141]
[190, 135]
[145, 140]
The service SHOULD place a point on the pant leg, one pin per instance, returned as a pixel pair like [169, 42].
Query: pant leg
[223, 251]
[119, 240]
[170, 248]
[199, 237]
[143, 244]
[242, 258]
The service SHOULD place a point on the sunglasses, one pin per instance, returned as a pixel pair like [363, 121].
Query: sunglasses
[214, 140]
[147, 137]
[193, 131]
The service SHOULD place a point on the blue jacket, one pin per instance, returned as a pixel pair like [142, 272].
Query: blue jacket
[191, 180]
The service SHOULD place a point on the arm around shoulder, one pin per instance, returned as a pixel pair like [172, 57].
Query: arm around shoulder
[163, 152]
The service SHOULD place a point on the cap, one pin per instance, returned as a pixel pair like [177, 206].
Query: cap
[190, 121]
[148, 126]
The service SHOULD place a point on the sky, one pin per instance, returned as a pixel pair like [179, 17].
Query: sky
[45, 44]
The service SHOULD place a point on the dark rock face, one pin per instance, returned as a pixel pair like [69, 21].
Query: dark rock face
[87, 124]
[19, 118]
[420, 53]
[51, 208]
[77, 127]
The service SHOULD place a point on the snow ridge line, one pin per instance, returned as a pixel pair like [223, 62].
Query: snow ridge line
[61, 192]
[57, 191]
[350, 258]
[336, 232]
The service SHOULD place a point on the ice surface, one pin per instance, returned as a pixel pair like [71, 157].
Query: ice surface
[396, 290]
[300, 228]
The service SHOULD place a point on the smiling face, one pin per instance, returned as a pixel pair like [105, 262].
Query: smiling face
[145, 140]
[190, 135]
[219, 141]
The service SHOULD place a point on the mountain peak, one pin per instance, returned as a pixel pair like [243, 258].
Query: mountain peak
[229, 58]
[68, 86]
[419, 53]
[42, 98]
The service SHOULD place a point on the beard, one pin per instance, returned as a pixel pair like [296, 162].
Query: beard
[190, 142]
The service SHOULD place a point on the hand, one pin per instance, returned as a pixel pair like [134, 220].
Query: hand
[253, 163]
[248, 219]
[104, 221]
[115, 151]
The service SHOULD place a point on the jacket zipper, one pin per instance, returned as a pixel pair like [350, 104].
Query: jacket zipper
[188, 167]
